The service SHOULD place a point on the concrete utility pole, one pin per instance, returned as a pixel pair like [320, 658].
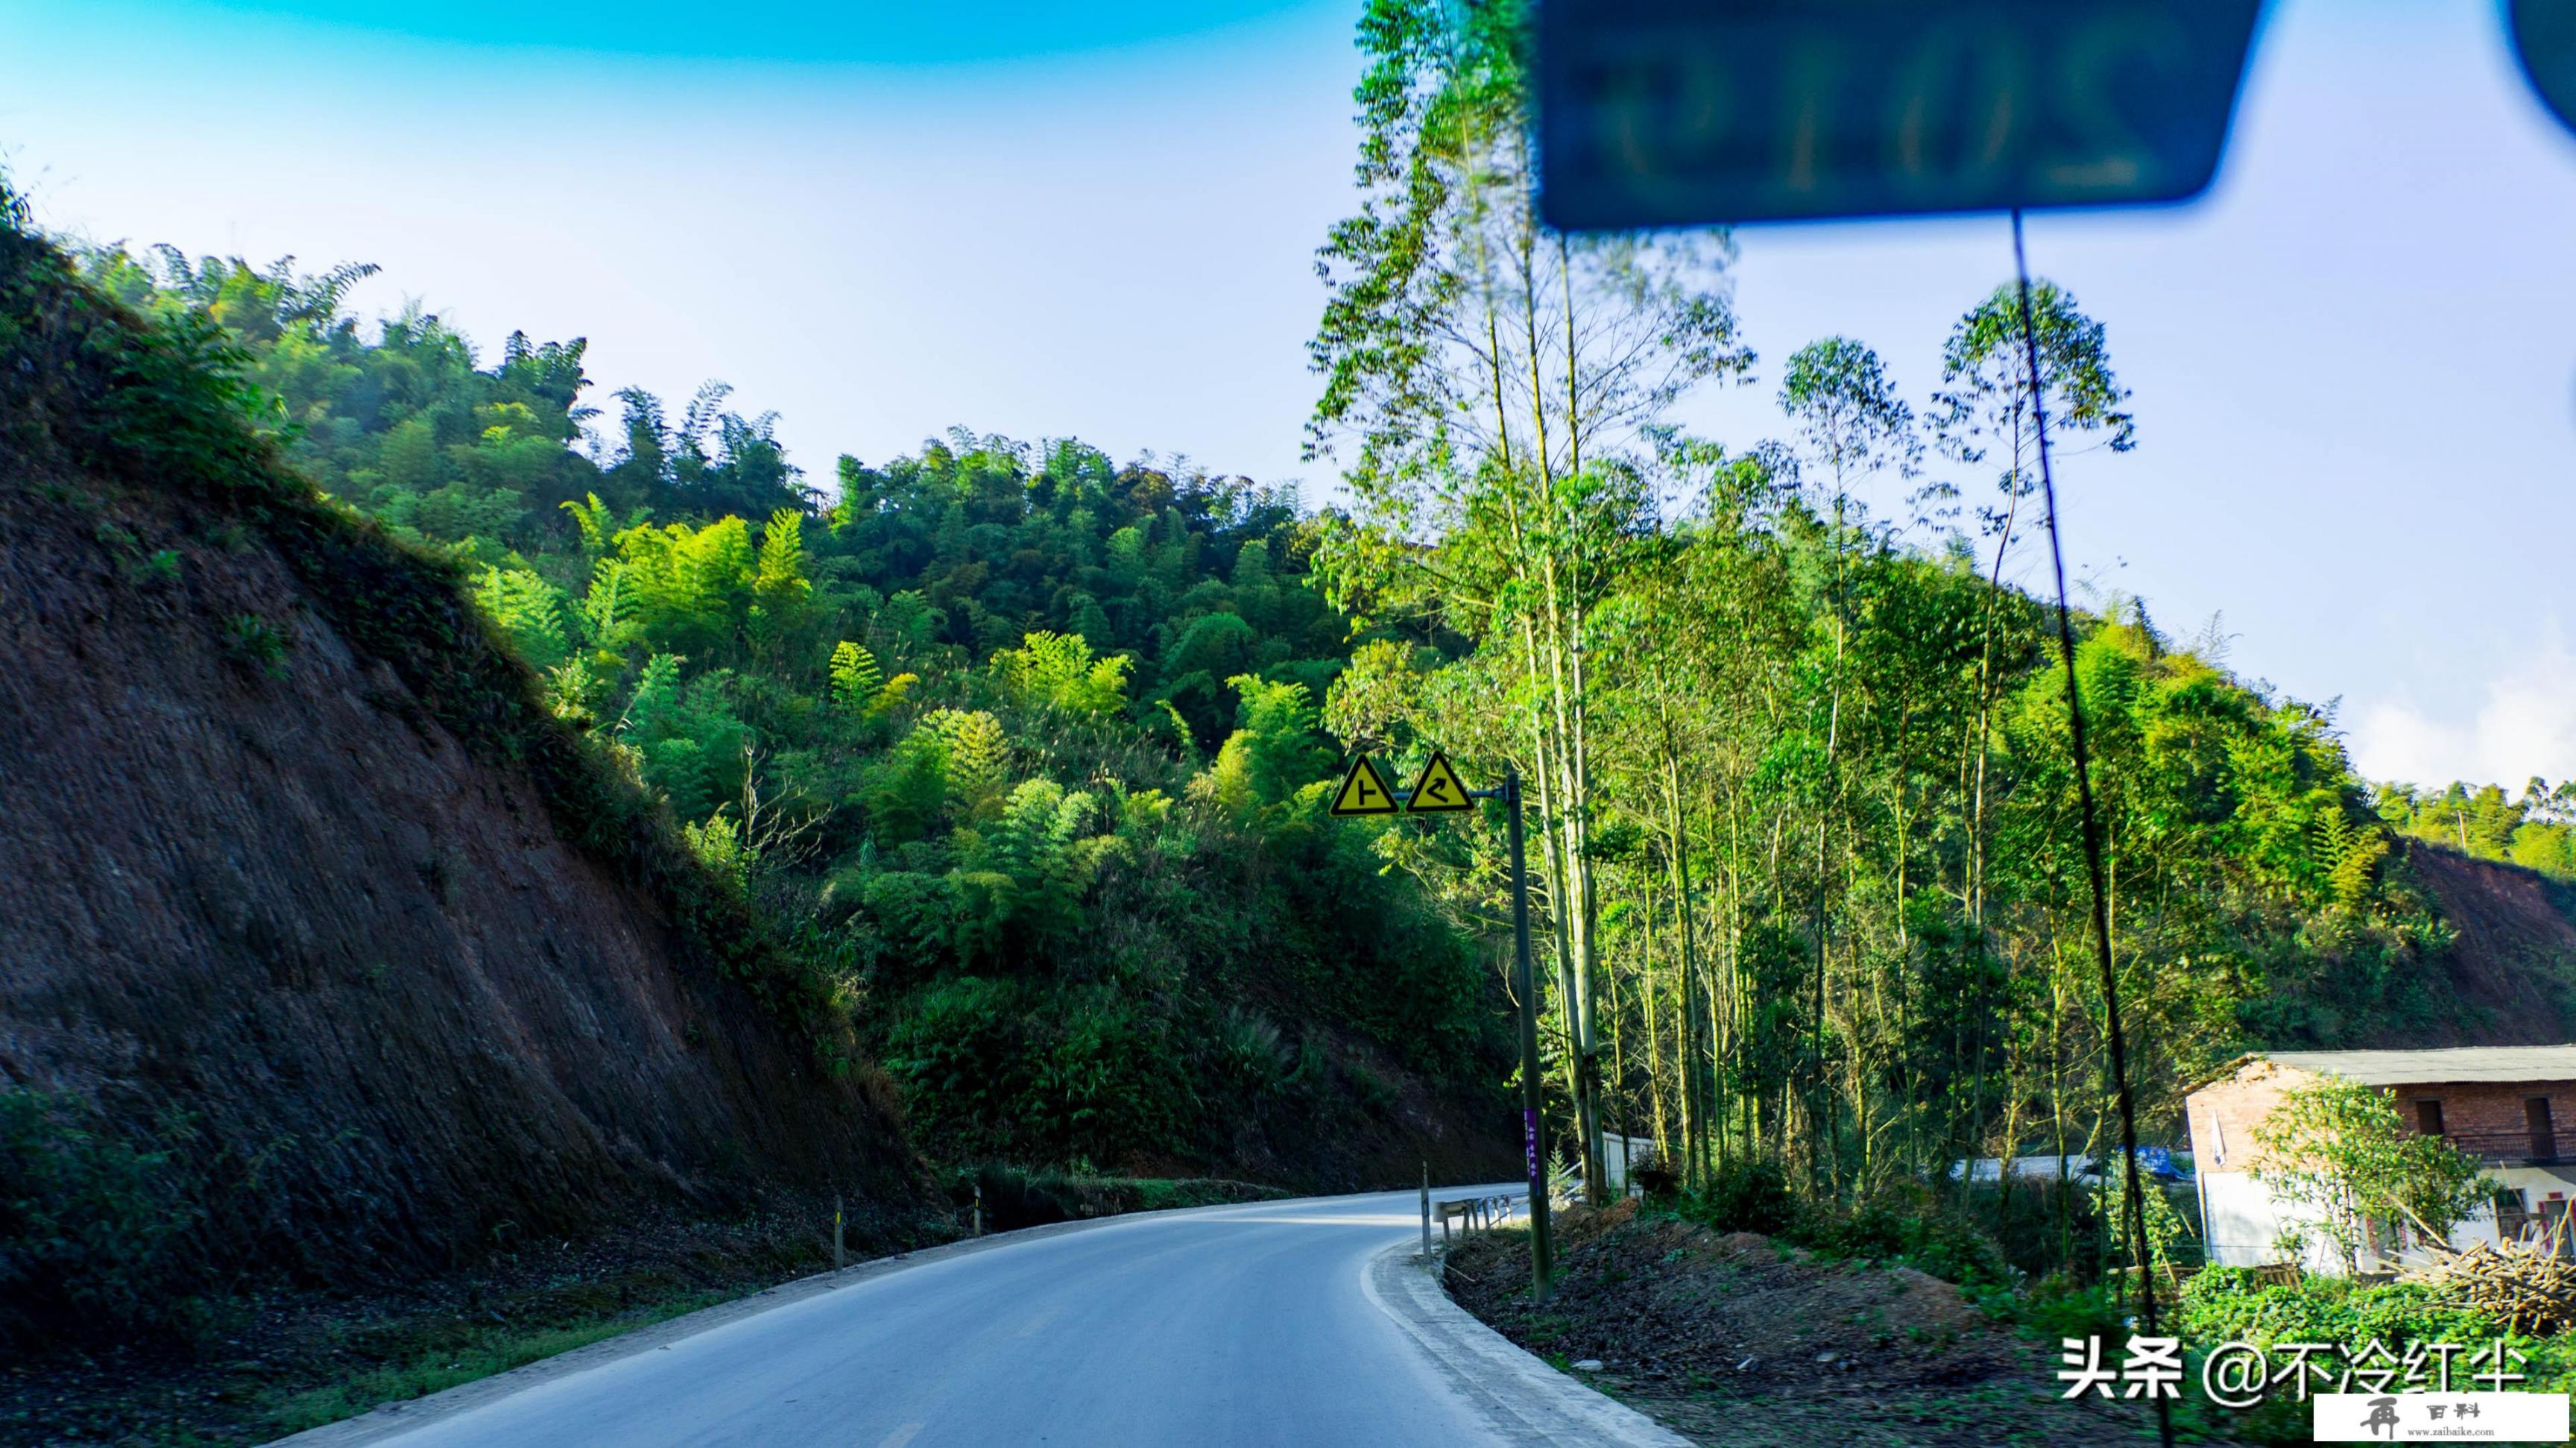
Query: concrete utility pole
[1533, 1090]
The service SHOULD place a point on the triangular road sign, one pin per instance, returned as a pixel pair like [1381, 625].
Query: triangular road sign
[1439, 790]
[1363, 791]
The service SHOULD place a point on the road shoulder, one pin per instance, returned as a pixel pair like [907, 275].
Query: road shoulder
[1525, 1401]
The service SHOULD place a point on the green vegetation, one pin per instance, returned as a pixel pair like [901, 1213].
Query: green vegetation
[93, 1223]
[2537, 831]
[1013, 752]
[1005, 763]
[415, 1360]
[2342, 1153]
[1013, 1197]
[1904, 1224]
[1806, 832]
[2228, 1304]
[1018, 753]
[176, 398]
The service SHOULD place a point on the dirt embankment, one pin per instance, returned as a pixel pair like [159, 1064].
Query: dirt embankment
[304, 898]
[2515, 957]
[1738, 1340]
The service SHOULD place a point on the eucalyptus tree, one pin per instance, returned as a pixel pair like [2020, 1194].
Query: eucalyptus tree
[1985, 417]
[1489, 387]
[1851, 423]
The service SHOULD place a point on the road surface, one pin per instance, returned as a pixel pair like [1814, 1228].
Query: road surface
[1283, 1323]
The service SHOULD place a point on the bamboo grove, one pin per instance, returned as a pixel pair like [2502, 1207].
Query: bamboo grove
[1806, 841]
[1025, 753]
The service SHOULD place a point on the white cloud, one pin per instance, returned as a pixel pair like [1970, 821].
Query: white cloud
[2525, 726]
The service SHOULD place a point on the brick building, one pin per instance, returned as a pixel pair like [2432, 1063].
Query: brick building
[2501, 1104]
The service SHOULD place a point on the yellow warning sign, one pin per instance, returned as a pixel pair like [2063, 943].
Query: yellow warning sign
[1439, 790]
[1363, 791]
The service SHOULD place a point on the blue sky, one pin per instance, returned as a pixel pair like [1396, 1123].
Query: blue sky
[2354, 363]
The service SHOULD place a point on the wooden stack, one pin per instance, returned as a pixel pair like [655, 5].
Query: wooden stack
[2532, 1289]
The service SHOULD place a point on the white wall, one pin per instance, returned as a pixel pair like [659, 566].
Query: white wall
[2242, 1223]
[1615, 1160]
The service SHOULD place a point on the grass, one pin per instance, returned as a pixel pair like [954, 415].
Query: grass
[485, 1351]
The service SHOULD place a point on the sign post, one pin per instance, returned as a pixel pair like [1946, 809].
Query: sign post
[1439, 790]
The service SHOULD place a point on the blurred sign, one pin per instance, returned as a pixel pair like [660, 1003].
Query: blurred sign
[2544, 35]
[1689, 112]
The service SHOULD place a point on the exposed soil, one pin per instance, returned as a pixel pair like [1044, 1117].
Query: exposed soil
[331, 961]
[2516, 956]
[293, 904]
[1734, 1339]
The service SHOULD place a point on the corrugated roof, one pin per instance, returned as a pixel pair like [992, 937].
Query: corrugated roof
[2464, 1063]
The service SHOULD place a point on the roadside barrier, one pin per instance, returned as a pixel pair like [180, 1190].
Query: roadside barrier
[1474, 1213]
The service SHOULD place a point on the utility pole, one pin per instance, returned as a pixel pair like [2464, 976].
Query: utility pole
[1533, 1099]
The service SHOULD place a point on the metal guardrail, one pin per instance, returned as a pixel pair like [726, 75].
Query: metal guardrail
[1474, 1213]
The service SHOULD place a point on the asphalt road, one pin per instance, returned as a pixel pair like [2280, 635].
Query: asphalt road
[1269, 1324]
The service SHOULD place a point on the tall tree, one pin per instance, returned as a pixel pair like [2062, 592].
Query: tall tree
[1489, 388]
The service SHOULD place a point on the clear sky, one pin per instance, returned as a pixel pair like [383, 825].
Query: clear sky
[2354, 363]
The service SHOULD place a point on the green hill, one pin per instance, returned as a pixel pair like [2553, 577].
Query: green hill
[1013, 752]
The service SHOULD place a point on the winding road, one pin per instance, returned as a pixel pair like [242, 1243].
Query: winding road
[1288, 1323]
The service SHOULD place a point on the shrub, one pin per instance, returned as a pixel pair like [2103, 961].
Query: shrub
[1747, 1197]
[2223, 1304]
[2342, 1152]
[1111, 1085]
[91, 1222]
[960, 1052]
[254, 643]
[1903, 1222]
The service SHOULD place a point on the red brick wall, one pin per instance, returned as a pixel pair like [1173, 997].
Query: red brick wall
[2482, 1117]
[2487, 1117]
[2224, 1113]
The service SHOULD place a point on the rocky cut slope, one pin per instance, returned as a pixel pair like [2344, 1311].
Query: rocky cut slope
[324, 951]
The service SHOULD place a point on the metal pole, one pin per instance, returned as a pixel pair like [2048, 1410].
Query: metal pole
[1426, 1209]
[1533, 1101]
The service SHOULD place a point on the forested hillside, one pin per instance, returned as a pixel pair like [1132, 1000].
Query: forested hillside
[1016, 748]
[1811, 849]
[328, 959]
[2536, 831]
[1020, 751]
